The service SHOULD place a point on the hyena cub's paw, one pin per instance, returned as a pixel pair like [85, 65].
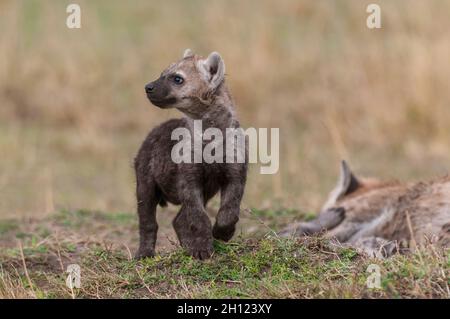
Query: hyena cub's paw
[223, 233]
[144, 253]
[195, 237]
[200, 248]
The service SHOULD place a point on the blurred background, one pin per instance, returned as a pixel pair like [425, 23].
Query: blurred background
[73, 110]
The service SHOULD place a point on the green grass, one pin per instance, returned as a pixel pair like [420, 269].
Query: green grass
[264, 267]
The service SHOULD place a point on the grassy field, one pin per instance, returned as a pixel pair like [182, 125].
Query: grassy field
[73, 114]
[268, 267]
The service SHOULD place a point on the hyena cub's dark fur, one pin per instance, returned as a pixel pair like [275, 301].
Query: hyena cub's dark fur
[196, 87]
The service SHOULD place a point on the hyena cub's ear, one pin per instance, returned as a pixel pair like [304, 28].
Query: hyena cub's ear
[188, 53]
[213, 68]
[346, 185]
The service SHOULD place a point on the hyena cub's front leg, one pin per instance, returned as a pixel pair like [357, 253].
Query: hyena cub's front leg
[228, 215]
[193, 228]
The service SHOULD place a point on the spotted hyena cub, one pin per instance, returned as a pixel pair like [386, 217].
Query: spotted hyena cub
[196, 87]
[380, 218]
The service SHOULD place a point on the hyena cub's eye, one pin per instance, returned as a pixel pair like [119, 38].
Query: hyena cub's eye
[178, 79]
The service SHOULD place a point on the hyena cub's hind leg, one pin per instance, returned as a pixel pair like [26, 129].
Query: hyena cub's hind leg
[325, 221]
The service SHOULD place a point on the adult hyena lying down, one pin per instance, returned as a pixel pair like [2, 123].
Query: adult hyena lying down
[380, 218]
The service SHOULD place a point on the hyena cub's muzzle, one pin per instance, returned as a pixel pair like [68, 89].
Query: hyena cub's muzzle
[158, 92]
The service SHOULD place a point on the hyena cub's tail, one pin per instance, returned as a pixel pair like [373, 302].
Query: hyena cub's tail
[161, 200]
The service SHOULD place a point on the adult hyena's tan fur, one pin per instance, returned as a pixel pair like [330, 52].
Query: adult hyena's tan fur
[381, 218]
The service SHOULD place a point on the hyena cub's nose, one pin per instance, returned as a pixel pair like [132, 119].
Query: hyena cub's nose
[149, 88]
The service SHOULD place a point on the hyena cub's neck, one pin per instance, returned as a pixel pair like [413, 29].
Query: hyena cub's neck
[219, 111]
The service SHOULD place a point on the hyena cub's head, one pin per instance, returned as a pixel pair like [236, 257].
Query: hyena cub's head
[361, 198]
[188, 83]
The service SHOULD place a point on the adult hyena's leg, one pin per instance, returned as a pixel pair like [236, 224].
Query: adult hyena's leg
[344, 231]
[193, 227]
[375, 247]
[325, 221]
[146, 205]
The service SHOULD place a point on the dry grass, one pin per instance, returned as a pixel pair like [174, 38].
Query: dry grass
[245, 268]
